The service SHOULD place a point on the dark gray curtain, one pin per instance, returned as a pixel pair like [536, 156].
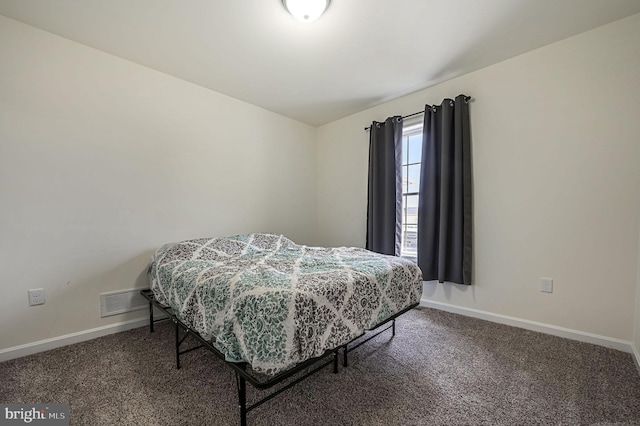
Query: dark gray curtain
[445, 202]
[384, 202]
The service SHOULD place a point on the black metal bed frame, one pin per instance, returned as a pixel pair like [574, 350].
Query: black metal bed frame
[240, 368]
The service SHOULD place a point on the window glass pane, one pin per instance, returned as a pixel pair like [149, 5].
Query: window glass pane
[410, 208]
[405, 179]
[409, 240]
[405, 151]
[413, 178]
[415, 148]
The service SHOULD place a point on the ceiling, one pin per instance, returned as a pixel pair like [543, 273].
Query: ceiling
[360, 53]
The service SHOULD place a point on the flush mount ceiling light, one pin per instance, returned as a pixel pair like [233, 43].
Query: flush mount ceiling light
[306, 10]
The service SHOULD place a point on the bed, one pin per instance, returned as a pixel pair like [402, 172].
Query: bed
[263, 303]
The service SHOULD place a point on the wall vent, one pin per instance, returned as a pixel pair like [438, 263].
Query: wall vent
[119, 302]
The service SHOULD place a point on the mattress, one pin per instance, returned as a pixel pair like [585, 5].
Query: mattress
[264, 300]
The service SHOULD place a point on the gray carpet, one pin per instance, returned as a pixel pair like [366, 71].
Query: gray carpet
[440, 369]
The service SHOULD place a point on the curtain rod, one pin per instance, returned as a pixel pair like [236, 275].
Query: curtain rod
[466, 99]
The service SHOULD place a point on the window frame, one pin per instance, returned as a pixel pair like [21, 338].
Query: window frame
[411, 127]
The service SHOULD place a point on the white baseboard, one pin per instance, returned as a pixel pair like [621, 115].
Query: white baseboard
[636, 357]
[81, 336]
[621, 345]
[69, 339]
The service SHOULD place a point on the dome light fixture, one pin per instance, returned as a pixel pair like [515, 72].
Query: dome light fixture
[306, 10]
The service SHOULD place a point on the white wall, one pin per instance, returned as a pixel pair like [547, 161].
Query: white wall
[556, 154]
[103, 160]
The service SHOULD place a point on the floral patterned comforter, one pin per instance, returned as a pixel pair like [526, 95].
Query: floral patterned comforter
[262, 299]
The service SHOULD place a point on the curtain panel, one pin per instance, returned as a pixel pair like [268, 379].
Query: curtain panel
[384, 200]
[445, 202]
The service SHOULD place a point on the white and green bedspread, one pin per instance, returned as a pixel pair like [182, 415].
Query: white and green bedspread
[262, 299]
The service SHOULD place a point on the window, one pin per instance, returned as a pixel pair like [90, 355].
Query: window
[411, 158]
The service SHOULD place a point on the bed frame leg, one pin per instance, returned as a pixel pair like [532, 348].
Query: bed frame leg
[242, 399]
[177, 345]
[150, 317]
[393, 327]
[345, 362]
[335, 361]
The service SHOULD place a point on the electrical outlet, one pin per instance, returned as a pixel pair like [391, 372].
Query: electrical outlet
[36, 296]
[546, 285]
